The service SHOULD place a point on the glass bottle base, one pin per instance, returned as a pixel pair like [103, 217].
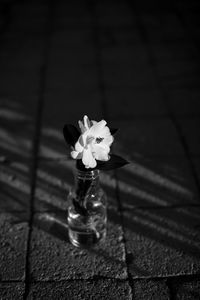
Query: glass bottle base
[86, 239]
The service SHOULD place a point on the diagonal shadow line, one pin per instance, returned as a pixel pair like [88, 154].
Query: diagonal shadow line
[53, 208]
[142, 229]
[145, 202]
[154, 219]
[18, 200]
[132, 201]
[182, 246]
[145, 179]
[154, 234]
[58, 229]
[148, 176]
[134, 223]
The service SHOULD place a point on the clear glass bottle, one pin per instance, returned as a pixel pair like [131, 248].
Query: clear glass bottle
[87, 211]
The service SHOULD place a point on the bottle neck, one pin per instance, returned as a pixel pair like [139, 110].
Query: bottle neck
[84, 181]
[87, 175]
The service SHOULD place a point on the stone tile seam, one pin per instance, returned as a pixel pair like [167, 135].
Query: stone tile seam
[101, 84]
[36, 137]
[183, 277]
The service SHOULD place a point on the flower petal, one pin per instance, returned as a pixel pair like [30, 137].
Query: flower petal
[81, 126]
[76, 155]
[108, 140]
[105, 132]
[79, 144]
[88, 159]
[100, 152]
[96, 128]
[93, 122]
[86, 122]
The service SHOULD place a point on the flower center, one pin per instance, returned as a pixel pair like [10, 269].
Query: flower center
[99, 140]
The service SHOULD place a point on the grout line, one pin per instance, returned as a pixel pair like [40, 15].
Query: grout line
[98, 56]
[6, 9]
[100, 74]
[120, 210]
[187, 27]
[36, 139]
[170, 278]
[163, 91]
[172, 292]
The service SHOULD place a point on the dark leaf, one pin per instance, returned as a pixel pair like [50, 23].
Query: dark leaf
[114, 162]
[71, 134]
[113, 130]
[80, 166]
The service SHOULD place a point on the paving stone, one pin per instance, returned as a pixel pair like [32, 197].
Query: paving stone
[12, 291]
[150, 289]
[162, 242]
[22, 53]
[75, 290]
[147, 138]
[114, 14]
[124, 76]
[191, 18]
[71, 86]
[133, 56]
[196, 162]
[190, 131]
[175, 51]
[182, 75]
[13, 229]
[54, 181]
[131, 103]
[67, 76]
[53, 258]
[185, 102]
[15, 187]
[122, 36]
[177, 70]
[154, 182]
[16, 131]
[187, 288]
[162, 30]
[76, 37]
[73, 16]
[59, 110]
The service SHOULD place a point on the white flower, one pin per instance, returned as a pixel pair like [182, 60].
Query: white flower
[94, 142]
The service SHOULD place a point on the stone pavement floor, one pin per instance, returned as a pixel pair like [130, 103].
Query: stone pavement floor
[136, 64]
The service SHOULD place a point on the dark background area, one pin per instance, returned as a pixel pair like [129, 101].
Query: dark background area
[135, 64]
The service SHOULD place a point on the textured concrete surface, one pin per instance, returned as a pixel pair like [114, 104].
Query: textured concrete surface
[136, 64]
[13, 247]
[12, 290]
[75, 290]
[187, 289]
[150, 289]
